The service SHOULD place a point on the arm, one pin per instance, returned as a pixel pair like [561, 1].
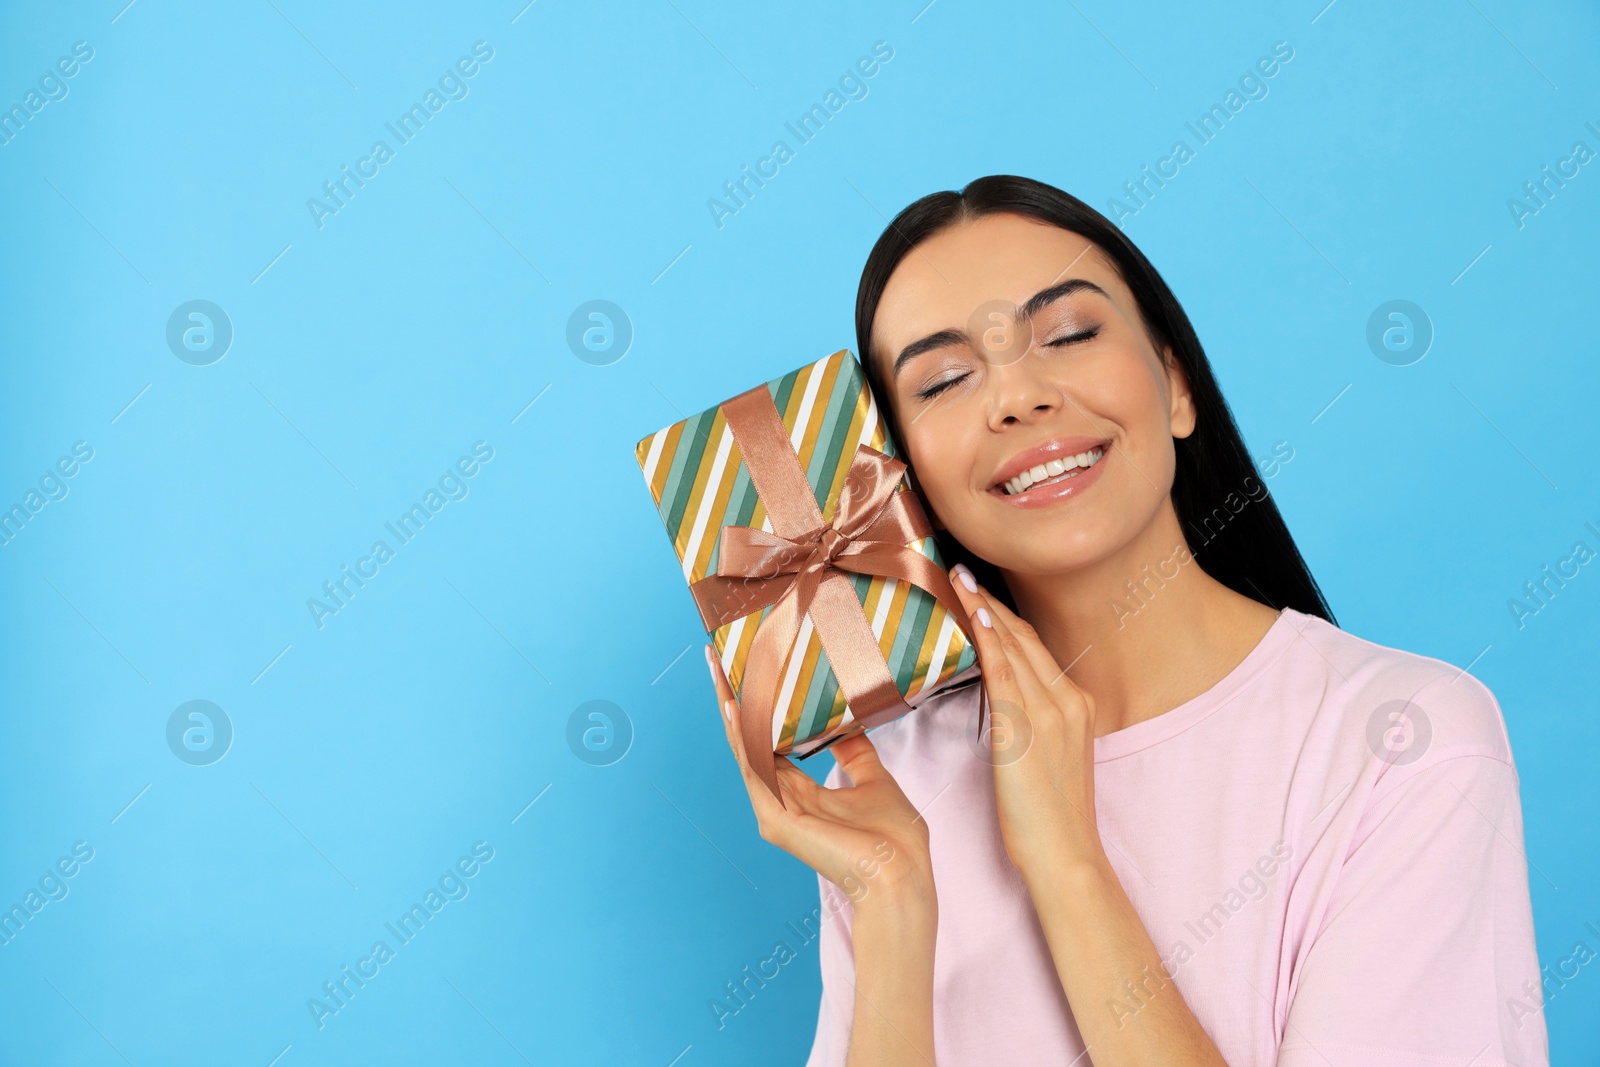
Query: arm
[893, 937]
[869, 841]
[1101, 949]
[1105, 960]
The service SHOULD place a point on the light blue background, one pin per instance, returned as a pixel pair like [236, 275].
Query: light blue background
[427, 314]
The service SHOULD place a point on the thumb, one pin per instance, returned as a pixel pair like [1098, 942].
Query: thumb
[858, 756]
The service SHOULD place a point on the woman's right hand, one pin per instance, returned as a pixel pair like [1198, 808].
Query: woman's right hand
[867, 839]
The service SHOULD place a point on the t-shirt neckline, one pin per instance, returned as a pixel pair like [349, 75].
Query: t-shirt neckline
[1152, 731]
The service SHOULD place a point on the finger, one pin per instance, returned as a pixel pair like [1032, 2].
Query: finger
[1017, 634]
[858, 756]
[1000, 675]
[1048, 669]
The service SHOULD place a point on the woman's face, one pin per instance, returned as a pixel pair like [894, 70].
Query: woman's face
[1010, 344]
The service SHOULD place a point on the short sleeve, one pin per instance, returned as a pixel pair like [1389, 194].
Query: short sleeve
[1426, 956]
[836, 953]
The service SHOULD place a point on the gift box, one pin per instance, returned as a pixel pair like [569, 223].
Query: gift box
[810, 559]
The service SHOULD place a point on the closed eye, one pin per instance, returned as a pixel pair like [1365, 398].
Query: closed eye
[939, 387]
[1073, 338]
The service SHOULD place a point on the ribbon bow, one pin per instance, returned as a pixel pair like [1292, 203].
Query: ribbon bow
[801, 568]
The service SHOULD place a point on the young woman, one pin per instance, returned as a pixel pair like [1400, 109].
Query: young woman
[1207, 826]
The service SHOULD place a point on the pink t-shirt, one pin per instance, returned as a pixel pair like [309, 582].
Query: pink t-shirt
[1326, 848]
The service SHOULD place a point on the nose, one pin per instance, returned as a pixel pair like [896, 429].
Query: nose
[1021, 392]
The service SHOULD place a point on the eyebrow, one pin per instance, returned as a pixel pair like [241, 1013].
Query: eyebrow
[1035, 303]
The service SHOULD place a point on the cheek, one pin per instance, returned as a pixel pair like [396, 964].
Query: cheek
[1125, 388]
[940, 449]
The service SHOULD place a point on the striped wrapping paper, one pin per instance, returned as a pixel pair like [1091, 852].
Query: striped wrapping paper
[699, 482]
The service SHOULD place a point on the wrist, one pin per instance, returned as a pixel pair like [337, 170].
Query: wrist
[1069, 877]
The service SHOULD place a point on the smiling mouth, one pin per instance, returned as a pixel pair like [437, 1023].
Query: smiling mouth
[1051, 472]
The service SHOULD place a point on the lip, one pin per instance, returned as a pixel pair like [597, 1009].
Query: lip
[1052, 449]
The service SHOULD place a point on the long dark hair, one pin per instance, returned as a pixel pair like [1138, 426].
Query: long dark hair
[1248, 548]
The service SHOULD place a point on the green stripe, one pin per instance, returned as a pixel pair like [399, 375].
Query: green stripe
[685, 466]
[814, 716]
[908, 639]
[830, 439]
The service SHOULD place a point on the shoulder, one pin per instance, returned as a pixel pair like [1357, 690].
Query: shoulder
[1395, 698]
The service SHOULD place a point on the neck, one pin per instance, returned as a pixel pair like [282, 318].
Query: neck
[1144, 629]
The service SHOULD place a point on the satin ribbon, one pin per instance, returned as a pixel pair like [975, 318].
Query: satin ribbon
[801, 567]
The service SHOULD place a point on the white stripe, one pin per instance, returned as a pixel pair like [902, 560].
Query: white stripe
[657, 443]
[807, 402]
[734, 633]
[880, 617]
[713, 489]
[941, 649]
[790, 678]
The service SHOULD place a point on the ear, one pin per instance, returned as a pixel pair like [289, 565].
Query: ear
[1180, 407]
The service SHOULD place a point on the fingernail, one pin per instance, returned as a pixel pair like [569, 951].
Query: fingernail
[983, 617]
[727, 711]
[966, 578]
[711, 662]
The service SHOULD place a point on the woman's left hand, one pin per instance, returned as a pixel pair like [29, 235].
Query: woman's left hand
[1042, 741]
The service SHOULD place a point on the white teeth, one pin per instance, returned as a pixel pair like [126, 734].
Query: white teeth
[1054, 469]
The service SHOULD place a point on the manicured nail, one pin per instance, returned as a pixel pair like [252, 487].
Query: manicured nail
[727, 711]
[983, 617]
[966, 578]
[711, 662]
